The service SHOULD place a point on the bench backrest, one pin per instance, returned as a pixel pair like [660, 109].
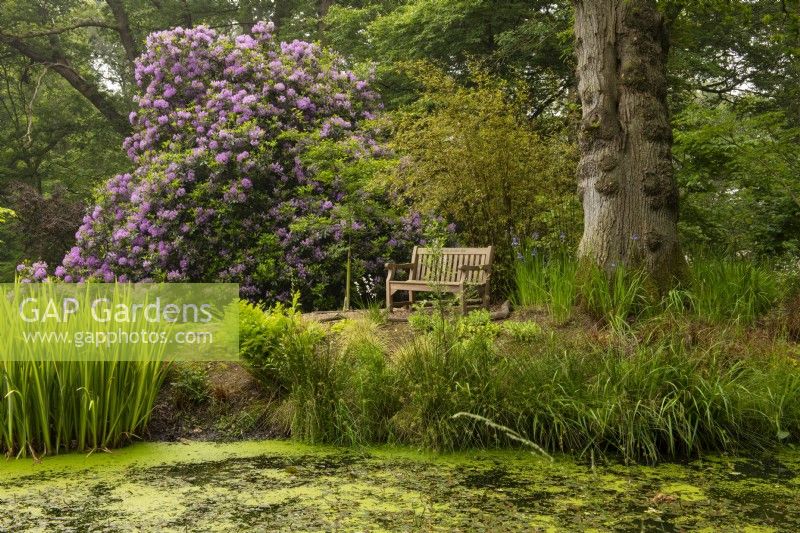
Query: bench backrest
[445, 267]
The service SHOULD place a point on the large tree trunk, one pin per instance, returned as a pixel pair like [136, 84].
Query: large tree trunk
[625, 175]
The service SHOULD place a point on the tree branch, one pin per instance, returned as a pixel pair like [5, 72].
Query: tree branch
[29, 108]
[77, 25]
[538, 110]
[59, 64]
[12, 111]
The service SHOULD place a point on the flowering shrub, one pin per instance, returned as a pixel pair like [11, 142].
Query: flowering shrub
[30, 272]
[252, 162]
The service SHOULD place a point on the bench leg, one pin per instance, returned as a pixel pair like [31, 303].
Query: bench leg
[486, 296]
[463, 301]
[410, 299]
[389, 303]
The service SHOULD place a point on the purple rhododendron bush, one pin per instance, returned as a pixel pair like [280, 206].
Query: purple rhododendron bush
[253, 165]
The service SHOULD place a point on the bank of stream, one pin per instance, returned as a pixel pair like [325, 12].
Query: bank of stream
[284, 485]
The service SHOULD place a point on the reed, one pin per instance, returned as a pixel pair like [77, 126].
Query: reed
[53, 399]
[550, 283]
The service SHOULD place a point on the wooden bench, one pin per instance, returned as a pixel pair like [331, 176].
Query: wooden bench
[453, 270]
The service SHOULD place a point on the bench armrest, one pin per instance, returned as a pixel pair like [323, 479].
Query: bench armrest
[391, 268]
[399, 266]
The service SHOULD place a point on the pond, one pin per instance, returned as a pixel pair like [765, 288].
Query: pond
[285, 485]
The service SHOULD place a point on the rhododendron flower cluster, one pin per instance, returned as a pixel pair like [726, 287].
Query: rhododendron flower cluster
[251, 163]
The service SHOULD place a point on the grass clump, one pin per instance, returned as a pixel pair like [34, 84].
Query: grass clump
[439, 374]
[732, 289]
[660, 401]
[668, 395]
[617, 297]
[340, 392]
[716, 289]
[647, 403]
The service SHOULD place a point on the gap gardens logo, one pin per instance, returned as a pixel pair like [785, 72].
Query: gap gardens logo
[119, 322]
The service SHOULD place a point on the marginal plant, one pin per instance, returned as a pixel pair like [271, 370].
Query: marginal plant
[549, 282]
[666, 390]
[263, 338]
[522, 331]
[617, 297]
[54, 399]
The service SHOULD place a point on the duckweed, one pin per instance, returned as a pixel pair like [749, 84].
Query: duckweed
[281, 485]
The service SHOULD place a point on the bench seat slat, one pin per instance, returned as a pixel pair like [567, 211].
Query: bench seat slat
[424, 287]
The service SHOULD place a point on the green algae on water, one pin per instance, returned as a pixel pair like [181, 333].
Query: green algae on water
[284, 485]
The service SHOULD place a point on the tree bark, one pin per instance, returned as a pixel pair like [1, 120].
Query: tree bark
[124, 28]
[625, 174]
[323, 6]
